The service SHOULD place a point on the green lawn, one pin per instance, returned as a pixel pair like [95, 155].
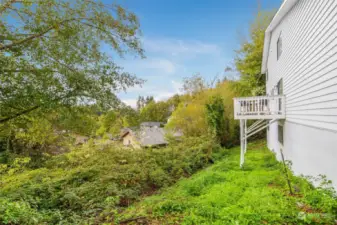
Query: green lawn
[226, 194]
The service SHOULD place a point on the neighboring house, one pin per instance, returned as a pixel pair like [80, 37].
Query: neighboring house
[148, 135]
[300, 109]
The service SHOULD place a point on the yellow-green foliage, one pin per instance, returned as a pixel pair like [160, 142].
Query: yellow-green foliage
[248, 59]
[39, 131]
[190, 116]
[227, 194]
[155, 111]
[92, 182]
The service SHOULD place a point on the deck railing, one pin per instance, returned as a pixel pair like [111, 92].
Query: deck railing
[259, 107]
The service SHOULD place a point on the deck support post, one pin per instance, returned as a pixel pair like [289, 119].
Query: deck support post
[242, 143]
[264, 109]
[245, 135]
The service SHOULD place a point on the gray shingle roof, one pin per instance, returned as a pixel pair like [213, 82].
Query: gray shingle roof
[146, 135]
[149, 136]
[151, 124]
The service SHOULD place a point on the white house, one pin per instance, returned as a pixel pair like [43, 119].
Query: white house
[300, 109]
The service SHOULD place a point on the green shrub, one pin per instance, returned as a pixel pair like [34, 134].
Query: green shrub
[77, 187]
[18, 212]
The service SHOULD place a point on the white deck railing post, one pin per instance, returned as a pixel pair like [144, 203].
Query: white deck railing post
[242, 143]
[245, 122]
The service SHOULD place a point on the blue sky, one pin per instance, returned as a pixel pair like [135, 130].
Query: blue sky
[184, 37]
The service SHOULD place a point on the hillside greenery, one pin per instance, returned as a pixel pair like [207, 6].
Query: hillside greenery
[226, 194]
[56, 84]
[93, 183]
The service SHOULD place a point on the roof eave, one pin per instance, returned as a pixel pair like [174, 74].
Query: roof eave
[286, 6]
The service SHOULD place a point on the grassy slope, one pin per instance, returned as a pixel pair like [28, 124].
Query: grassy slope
[226, 194]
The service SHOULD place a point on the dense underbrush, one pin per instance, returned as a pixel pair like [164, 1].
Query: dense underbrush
[91, 184]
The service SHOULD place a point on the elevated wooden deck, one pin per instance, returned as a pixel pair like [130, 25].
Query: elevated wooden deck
[259, 107]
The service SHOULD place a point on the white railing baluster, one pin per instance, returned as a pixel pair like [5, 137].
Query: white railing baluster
[260, 107]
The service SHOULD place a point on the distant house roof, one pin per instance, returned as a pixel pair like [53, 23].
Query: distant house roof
[147, 136]
[151, 124]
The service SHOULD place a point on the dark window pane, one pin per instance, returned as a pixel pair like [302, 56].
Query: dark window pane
[279, 47]
[280, 134]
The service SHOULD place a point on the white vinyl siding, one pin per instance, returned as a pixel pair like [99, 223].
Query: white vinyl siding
[308, 64]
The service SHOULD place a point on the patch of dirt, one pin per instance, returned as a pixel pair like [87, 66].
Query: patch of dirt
[307, 208]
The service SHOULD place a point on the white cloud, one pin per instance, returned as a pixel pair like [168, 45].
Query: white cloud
[131, 102]
[151, 66]
[176, 46]
[168, 59]
[164, 95]
[164, 65]
[161, 94]
[177, 86]
[158, 93]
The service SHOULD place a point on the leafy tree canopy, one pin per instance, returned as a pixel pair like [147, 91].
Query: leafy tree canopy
[51, 54]
[248, 59]
[155, 111]
[194, 84]
[217, 122]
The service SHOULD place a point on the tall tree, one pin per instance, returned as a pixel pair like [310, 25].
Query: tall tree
[140, 102]
[149, 99]
[113, 121]
[51, 54]
[248, 59]
[216, 120]
[194, 84]
[143, 101]
[155, 111]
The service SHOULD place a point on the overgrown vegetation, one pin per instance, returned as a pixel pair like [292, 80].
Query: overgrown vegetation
[56, 84]
[54, 75]
[226, 194]
[91, 184]
[207, 110]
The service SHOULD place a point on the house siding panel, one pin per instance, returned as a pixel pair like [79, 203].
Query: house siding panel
[308, 64]
[308, 67]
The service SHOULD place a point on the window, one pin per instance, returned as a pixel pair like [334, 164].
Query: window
[280, 87]
[280, 134]
[279, 47]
